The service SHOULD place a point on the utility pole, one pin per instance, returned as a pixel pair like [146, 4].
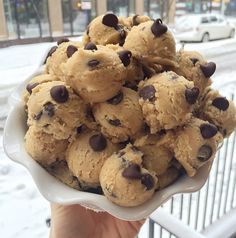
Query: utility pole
[222, 7]
[210, 9]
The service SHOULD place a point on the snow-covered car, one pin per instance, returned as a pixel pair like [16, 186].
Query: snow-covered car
[202, 27]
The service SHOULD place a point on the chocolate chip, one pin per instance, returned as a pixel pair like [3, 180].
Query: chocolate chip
[125, 56]
[123, 144]
[221, 103]
[70, 50]
[89, 114]
[93, 63]
[148, 181]
[48, 222]
[51, 51]
[79, 129]
[49, 109]
[133, 171]
[194, 60]
[59, 93]
[62, 41]
[148, 73]
[191, 95]
[208, 69]
[98, 142]
[208, 130]
[146, 128]
[134, 20]
[204, 153]
[110, 20]
[158, 28]
[30, 87]
[90, 46]
[115, 122]
[162, 132]
[38, 116]
[116, 99]
[148, 92]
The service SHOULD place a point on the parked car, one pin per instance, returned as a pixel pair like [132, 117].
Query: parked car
[203, 27]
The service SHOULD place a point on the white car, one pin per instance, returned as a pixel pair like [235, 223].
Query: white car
[202, 27]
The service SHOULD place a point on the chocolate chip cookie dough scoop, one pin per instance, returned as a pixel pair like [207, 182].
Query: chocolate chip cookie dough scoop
[133, 66]
[86, 156]
[43, 147]
[131, 21]
[54, 108]
[153, 44]
[96, 73]
[123, 179]
[34, 82]
[195, 68]
[60, 54]
[157, 154]
[196, 144]
[167, 100]
[120, 117]
[219, 111]
[106, 29]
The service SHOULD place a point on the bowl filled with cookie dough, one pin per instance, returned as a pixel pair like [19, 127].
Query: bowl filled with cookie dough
[120, 121]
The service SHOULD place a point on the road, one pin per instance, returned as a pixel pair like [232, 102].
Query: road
[226, 65]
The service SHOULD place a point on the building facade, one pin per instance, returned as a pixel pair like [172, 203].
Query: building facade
[43, 20]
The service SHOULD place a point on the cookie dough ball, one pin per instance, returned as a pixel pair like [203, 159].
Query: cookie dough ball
[152, 42]
[86, 156]
[123, 179]
[60, 54]
[55, 109]
[196, 144]
[134, 68]
[168, 177]
[43, 147]
[34, 82]
[60, 170]
[97, 74]
[121, 116]
[131, 21]
[218, 110]
[106, 29]
[167, 100]
[195, 68]
[157, 155]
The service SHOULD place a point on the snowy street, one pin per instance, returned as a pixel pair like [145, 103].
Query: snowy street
[23, 210]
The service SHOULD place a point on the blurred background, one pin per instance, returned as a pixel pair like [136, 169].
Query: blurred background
[29, 28]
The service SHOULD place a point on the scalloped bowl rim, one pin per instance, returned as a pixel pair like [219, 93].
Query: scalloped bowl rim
[57, 192]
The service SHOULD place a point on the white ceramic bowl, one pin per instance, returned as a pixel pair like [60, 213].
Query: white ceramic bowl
[55, 191]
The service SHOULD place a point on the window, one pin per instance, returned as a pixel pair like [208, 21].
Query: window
[204, 20]
[77, 15]
[27, 19]
[121, 8]
[213, 19]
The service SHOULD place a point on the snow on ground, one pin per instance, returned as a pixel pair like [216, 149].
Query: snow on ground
[23, 210]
